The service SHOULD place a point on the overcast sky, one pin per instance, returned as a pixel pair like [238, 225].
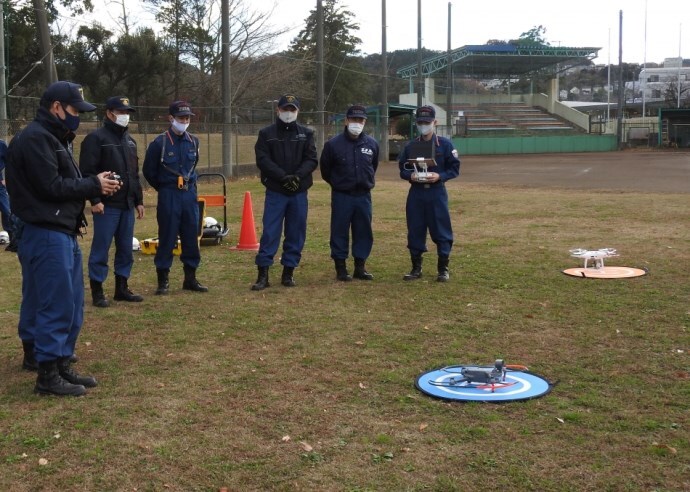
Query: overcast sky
[572, 23]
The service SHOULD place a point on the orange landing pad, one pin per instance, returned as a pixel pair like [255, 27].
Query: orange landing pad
[605, 272]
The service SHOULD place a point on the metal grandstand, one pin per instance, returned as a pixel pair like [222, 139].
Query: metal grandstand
[501, 60]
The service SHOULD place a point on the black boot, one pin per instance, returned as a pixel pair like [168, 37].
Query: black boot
[416, 271]
[163, 283]
[190, 281]
[287, 279]
[97, 294]
[262, 279]
[443, 273]
[341, 271]
[12, 246]
[49, 381]
[71, 376]
[122, 292]
[361, 271]
[29, 363]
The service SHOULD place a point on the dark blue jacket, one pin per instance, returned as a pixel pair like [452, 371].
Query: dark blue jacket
[170, 156]
[283, 149]
[447, 161]
[44, 182]
[349, 165]
[110, 148]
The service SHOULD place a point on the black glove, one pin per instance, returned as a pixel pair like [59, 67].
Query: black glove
[290, 182]
[287, 182]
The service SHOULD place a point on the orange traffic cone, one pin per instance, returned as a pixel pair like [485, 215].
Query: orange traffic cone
[248, 240]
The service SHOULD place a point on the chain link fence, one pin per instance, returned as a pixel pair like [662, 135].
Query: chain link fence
[242, 140]
[207, 124]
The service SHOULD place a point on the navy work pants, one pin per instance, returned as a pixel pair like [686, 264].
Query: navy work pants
[286, 213]
[427, 209]
[351, 212]
[112, 223]
[5, 210]
[177, 214]
[52, 309]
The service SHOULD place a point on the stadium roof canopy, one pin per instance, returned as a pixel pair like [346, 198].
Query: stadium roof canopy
[502, 60]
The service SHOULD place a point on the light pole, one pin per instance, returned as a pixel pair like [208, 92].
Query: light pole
[273, 103]
[229, 170]
[420, 77]
[3, 88]
[384, 82]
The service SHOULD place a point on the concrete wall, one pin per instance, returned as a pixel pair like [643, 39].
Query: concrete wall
[535, 145]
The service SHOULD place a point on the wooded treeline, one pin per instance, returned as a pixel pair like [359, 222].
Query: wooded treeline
[183, 59]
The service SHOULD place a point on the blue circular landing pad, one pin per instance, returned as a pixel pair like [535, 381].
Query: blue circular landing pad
[449, 383]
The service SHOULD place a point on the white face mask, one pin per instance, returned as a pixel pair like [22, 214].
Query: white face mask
[287, 116]
[355, 128]
[425, 129]
[179, 127]
[122, 120]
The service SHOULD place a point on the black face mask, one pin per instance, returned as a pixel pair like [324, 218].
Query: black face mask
[71, 122]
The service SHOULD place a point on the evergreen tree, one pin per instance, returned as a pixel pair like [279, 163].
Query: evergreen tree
[24, 59]
[344, 80]
[533, 37]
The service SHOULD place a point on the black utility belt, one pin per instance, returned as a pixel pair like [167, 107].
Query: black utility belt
[185, 185]
[354, 192]
[428, 185]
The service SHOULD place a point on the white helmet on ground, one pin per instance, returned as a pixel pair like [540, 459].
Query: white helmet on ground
[211, 222]
[4, 237]
[136, 245]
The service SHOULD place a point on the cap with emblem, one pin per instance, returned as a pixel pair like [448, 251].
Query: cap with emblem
[181, 108]
[426, 114]
[67, 93]
[120, 103]
[288, 100]
[356, 111]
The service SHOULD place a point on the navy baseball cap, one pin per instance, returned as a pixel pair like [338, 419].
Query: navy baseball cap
[356, 111]
[181, 108]
[67, 93]
[288, 100]
[426, 114]
[119, 102]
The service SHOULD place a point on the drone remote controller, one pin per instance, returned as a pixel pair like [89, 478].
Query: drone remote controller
[116, 177]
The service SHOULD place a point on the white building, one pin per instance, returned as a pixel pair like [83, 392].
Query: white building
[653, 83]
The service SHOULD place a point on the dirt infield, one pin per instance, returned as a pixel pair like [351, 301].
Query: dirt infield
[645, 171]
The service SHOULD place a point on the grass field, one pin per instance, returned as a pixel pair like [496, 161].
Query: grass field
[312, 388]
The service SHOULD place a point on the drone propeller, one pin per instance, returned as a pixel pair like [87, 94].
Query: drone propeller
[593, 253]
[610, 251]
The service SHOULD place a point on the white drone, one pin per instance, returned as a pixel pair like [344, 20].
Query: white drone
[597, 255]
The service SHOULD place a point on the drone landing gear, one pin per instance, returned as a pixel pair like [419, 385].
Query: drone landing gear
[497, 384]
[464, 383]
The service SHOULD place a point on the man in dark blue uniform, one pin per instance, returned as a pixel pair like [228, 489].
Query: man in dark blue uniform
[48, 194]
[427, 199]
[286, 157]
[5, 211]
[111, 148]
[170, 168]
[348, 163]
